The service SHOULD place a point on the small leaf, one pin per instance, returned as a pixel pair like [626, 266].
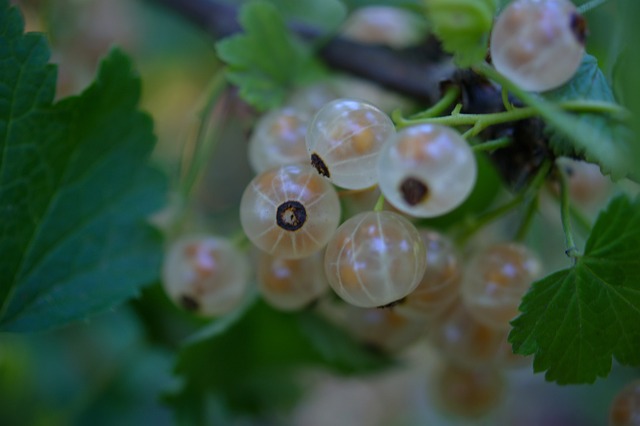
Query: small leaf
[75, 189]
[254, 362]
[589, 83]
[576, 319]
[266, 60]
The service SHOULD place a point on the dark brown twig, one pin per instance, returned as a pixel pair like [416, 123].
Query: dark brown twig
[414, 72]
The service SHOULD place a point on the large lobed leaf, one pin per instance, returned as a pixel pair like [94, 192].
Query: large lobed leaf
[576, 319]
[75, 189]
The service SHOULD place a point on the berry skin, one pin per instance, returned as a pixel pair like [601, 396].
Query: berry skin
[278, 139]
[463, 339]
[439, 287]
[625, 408]
[344, 140]
[290, 211]
[206, 275]
[538, 44]
[374, 259]
[497, 278]
[291, 284]
[468, 392]
[426, 170]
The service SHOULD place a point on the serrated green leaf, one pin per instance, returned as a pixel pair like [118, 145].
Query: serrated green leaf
[74, 188]
[266, 60]
[577, 319]
[463, 27]
[255, 360]
[590, 84]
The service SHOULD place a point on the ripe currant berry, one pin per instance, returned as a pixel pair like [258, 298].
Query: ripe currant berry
[290, 212]
[426, 170]
[625, 408]
[344, 140]
[538, 44]
[374, 259]
[497, 279]
[205, 274]
[278, 139]
[290, 284]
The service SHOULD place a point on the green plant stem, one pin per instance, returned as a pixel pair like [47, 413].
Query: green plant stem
[205, 143]
[505, 99]
[450, 96]
[486, 218]
[565, 214]
[584, 8]
[482, 121]
[525, 225]
[492, 145]
[379, 204]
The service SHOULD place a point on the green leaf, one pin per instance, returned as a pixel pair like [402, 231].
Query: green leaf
[252, 364]
[266, 60]
[463, 26]
[74, 188]
[589, 83]
[576, 319]
[325, 15]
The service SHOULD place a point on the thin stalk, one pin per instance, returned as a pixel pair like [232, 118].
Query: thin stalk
[505, 99]
[527, 220]
[492, 145]
[450, 96]
[565, 214]
[584, 8]
[379, 204]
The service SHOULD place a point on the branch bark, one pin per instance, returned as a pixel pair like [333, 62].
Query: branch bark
[414, 72]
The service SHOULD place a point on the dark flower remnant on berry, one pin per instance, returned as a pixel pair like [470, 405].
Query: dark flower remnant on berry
[291, 215]
[414, 191]
[189, 303]
[319, 165]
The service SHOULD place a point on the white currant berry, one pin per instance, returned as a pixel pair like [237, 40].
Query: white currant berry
[344, 140]
[204, 274]
[384, 25]
[279, 139]
[440, 284]
[290, 284]
[426, 170]
[290, 211]
[387, 329]
[468, 392]
[496, 280]
[374, 259]
[460, 337]
[625, 408]
[538, 44]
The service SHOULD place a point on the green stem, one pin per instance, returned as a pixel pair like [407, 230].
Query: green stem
[204, 142]
[379, 204]
[532, 208]
[565, 214]
[584, 8]
[505, 100]
[490, 216]
[482, 121]
[492, 145]
[450, 96]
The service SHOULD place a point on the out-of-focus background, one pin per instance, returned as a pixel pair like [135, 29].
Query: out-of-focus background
[115, 368]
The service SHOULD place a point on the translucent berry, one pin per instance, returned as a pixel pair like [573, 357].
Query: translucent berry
[461, 338]
[538, 44]
[385, 25]
[290, 212]
[587, 186]
[310, 99]
[279, 139]
[625, 408]
[374, 259]
[344, 140]
[426, 170]
[439, 287]
[206, 275]
[386, 329]
[496, 280]
[468, 392]
[290, 284]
